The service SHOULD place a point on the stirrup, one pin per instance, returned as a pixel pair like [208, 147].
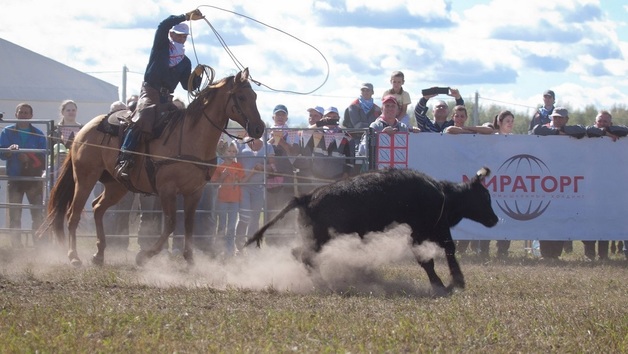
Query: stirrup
[122, 170]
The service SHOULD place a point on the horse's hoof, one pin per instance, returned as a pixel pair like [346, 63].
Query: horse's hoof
[188, 256]
[98, 260]
[141, 258]
[76, 262]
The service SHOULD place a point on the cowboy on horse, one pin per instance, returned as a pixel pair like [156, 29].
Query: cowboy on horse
[167, 66]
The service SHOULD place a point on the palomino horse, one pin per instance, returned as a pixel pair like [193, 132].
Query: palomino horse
[178, 163]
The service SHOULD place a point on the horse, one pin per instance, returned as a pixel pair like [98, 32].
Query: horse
[176, 162]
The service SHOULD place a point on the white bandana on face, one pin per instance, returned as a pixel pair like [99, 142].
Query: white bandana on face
[177, 52]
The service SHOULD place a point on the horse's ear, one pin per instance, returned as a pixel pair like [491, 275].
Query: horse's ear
[245, 75]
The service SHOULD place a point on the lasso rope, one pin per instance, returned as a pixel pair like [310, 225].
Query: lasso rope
[239, 65]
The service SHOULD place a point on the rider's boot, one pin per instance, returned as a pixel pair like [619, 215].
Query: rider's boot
[125, 162]
[126, 158]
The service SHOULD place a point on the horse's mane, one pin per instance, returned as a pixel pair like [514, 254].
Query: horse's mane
[196, 107]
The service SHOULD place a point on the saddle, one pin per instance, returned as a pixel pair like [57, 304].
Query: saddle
[112, 122]
[116, 123]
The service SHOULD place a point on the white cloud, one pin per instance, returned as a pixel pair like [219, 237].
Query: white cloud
[101, 38]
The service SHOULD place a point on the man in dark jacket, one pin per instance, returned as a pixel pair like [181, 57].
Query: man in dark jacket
[557, 126]
[604, 127]
[167, 67]
[542, 115]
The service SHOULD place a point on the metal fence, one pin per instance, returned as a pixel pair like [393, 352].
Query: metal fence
[130, 209]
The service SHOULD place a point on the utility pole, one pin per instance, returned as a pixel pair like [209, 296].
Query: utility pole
[123, 91]
[476, 110]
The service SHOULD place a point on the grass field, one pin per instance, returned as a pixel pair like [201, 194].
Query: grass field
[375, 299]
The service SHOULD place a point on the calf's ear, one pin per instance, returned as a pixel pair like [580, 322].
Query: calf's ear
[483, 173]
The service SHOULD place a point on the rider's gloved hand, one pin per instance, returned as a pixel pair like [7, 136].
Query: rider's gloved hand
[194, 15]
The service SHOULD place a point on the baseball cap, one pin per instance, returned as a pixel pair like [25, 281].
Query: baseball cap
[560, 112]
[117, 106]
[367, 85]
[549, 93]
[280, 108]
[388, 98]
[181, 28]
[331, 110]
[318, 109]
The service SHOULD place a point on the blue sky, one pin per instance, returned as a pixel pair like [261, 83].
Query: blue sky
[509, 52]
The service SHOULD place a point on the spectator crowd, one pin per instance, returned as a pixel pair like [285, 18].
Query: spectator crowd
[256, 178]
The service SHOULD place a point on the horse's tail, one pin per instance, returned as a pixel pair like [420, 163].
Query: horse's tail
[295, 202]
[61, 196]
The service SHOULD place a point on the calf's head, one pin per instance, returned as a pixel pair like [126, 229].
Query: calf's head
[480, 208]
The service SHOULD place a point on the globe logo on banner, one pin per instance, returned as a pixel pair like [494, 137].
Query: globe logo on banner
[524, 187]
[516, 198]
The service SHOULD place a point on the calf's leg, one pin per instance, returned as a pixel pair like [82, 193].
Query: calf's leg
[437, 284]
[454, 267]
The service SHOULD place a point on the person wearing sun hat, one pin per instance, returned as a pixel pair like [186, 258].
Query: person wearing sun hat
[326, 155]
[280, 171]
[314, 115]
[167, 68]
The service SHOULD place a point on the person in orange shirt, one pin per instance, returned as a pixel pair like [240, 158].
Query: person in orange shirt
[228, 175]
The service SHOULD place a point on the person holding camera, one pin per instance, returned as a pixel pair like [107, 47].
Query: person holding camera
[20, 166]
[441, 110]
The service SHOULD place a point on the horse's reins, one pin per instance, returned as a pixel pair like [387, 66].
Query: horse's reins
[238, 110]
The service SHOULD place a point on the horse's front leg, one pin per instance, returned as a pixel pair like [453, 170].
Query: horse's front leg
[168, 205]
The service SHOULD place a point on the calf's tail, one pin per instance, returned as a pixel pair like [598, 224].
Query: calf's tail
[259, 235]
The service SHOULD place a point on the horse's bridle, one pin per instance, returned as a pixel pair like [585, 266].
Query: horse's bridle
[238, 110]
[192, 158]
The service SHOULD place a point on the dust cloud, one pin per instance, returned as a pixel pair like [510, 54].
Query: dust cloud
[345, 265]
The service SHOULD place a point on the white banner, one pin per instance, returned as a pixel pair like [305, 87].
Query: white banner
[542, 187]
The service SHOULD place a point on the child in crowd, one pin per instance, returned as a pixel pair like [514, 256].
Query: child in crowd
[228, 174]
[397, 80]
